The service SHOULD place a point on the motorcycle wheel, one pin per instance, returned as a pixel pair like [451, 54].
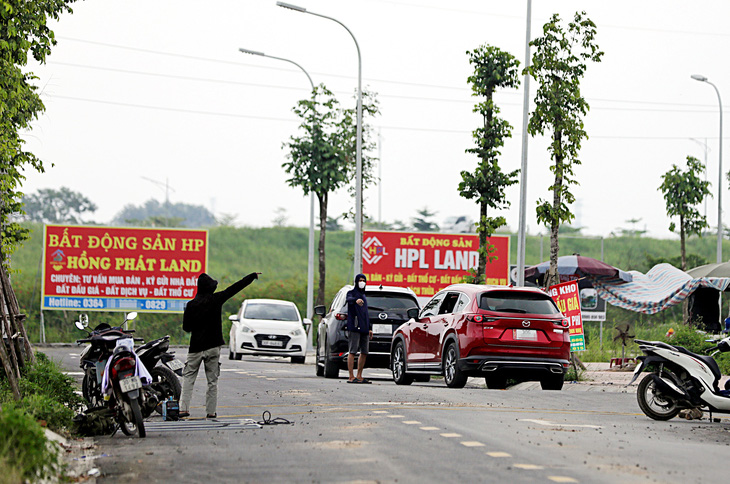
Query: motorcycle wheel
[653, 403]
[91, 390]
[166, 382]
[136, 424]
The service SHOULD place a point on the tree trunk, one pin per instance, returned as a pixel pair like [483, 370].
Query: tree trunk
[322, 198]
[482, 243]
[685, 303]
[552, 277]
[681, 243]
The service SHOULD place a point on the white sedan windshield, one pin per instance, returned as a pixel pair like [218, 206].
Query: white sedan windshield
[273, 312]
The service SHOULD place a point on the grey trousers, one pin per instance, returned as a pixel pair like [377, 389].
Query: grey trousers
[211, 361]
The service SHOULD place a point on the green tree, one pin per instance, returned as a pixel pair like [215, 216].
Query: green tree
[23, 32]
[493, 69]
[57, 206]
[322, 155]
[683, 192]
[156, 214]
[558, 64]
[422, 223]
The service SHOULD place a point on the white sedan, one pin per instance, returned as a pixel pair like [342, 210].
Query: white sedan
[269, 327]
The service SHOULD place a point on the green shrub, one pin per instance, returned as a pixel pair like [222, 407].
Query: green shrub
[57, 416]
[46, 378]
[24, 449]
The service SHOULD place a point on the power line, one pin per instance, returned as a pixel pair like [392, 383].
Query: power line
[710, 108]
[291, 120]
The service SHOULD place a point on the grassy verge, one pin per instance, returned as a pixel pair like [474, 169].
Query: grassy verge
[48, 400]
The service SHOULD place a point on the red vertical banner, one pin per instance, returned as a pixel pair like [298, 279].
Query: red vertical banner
[567, 297]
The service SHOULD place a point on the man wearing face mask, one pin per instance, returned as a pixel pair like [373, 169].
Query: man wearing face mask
[359, 327]
[202, 319]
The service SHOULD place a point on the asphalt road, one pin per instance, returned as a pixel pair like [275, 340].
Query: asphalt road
[425, 432]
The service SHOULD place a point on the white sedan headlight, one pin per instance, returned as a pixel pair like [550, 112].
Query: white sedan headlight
[296, 332]
[246, 329]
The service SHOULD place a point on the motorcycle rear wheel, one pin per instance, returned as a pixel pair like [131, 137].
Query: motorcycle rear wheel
[136, 425]
[653, 403]
[91, 390]
[165, 381]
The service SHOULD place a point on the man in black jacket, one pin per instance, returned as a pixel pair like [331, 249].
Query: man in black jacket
[202, 319]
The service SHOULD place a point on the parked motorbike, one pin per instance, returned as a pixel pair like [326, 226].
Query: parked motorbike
[124, 376]
[680, 379]
[154, 355]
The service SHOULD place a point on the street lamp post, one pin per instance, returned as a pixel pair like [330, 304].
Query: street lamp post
[310, 262]
[522, 228]
[700, 78]
[358, 172]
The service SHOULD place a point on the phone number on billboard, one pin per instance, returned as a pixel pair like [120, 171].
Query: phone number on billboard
[155, 304]
[92, 303]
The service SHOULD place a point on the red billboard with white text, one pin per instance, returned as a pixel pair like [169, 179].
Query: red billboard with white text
[428, 262]
[89, 268]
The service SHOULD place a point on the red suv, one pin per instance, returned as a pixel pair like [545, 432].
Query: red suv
[496, 332]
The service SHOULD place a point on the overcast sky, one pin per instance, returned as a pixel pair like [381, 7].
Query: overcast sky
[158, 90]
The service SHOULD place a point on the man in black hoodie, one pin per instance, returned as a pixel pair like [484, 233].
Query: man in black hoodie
[202, 319]
[359, 328]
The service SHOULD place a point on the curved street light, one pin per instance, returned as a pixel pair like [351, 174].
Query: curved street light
[700, 78]
[358, 172]
[310, 262]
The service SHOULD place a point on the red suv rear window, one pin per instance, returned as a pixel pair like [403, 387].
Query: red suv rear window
[518, 302]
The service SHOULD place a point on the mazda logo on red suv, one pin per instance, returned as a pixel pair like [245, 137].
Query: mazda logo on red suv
[526, 324]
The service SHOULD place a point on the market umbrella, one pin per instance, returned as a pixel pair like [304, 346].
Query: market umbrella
[711, 270]
[578, 265]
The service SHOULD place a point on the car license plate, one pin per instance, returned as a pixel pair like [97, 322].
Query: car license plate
[382, 329]
[129, 384]
[272, 342]
[175, 364]
[525, 334]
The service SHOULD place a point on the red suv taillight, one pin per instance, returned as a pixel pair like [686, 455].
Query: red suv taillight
[564, 323]
[340, 316]
[122, 365]
[477, 318]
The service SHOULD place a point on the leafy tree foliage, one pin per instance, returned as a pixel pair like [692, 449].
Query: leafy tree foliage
[23, 32]
[422, 223]
[493, 69]
[558, 64]
[683, 192]
[57, 206]
[156, 214]
[323, 155]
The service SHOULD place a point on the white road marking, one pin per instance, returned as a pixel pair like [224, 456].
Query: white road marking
[430, 428]
[498, 454]
[396, 416]
[529, 467]
[73, 354]
[561, 479]
[472, 443]
[381, 411]
[450, 436]
[412, 422]
[553, 424]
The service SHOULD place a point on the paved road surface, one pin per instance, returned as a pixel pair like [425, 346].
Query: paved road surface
[420, 433]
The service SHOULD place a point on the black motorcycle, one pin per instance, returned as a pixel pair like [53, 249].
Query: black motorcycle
[154, 355]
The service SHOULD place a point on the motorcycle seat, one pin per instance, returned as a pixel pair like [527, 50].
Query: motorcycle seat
[708, 360]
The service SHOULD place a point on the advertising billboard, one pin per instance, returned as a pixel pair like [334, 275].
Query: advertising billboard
[428, 262]
[90, 268]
